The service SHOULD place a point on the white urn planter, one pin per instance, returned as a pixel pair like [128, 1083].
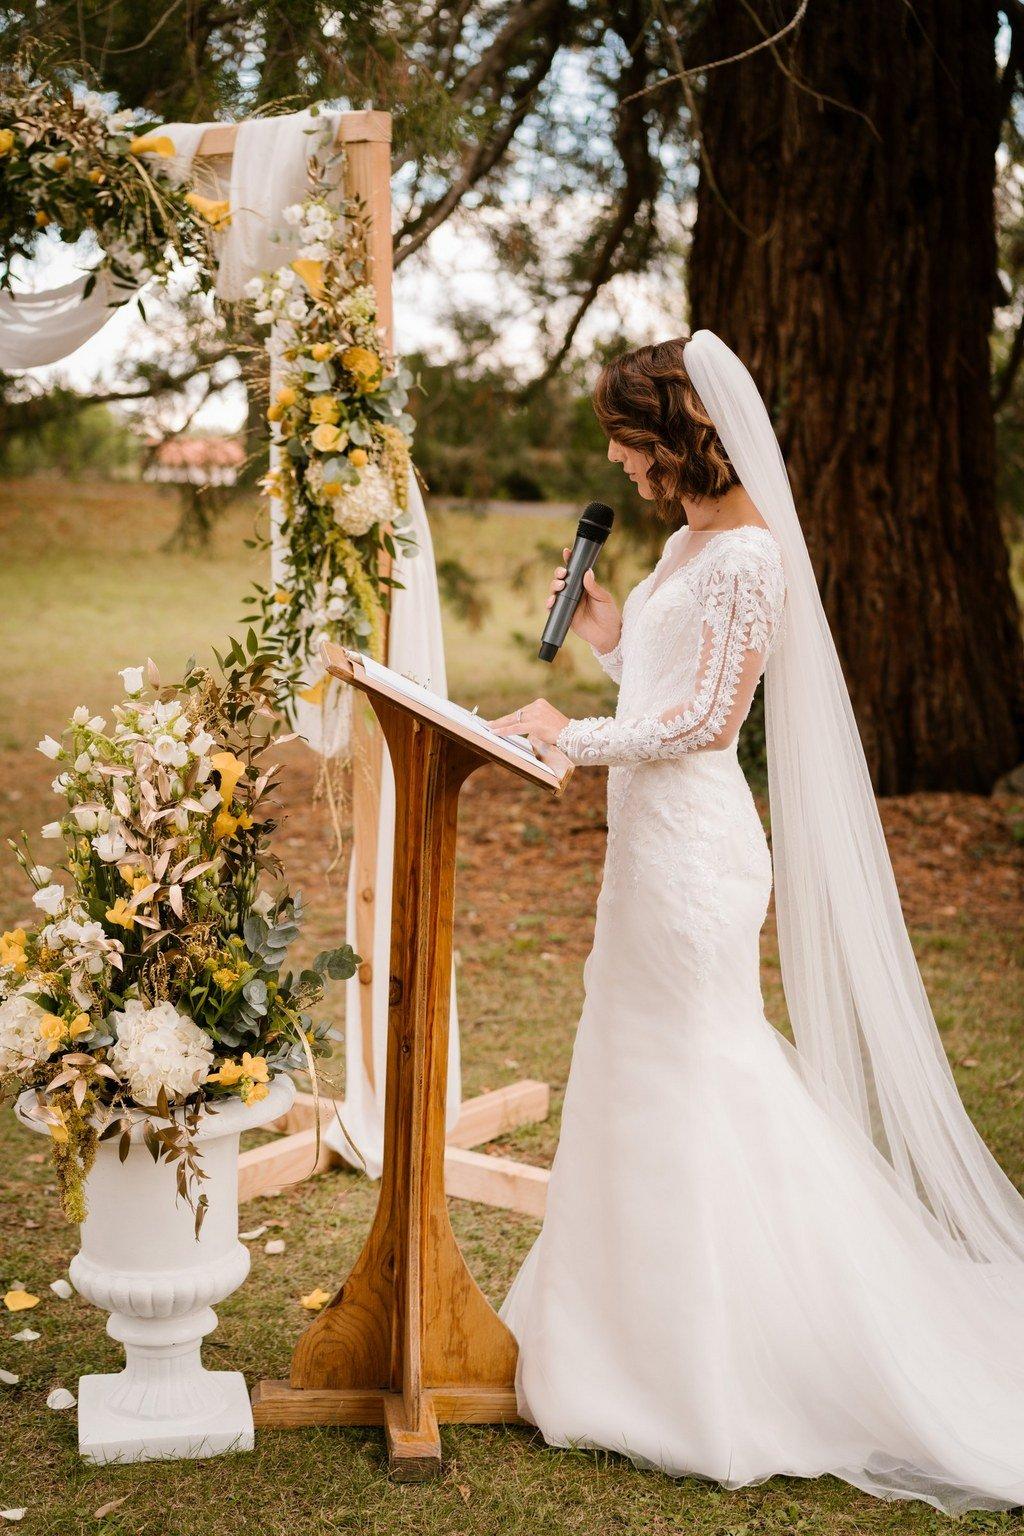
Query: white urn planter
[140, 1261]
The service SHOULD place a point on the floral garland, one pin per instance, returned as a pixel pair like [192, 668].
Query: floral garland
[154, 975]
[340, 434]
[70, 165]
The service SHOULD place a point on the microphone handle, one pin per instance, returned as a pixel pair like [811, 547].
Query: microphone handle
[582, 558]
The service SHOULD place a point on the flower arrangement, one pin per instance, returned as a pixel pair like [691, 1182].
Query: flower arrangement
[340, 436]
[69, 164]
[152, 984]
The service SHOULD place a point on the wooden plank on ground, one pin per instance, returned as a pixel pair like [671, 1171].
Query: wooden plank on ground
[497, 1181]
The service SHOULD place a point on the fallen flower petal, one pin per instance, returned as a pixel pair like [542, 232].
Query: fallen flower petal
[62, 1288]
[9, 1378]
[276, 1245]
[20, 1301]
[315, 1300]
[60, 1399]
[250, 1237]
[26, 1336]
[14, 1514]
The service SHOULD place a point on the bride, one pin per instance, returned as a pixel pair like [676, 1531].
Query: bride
[755, 1259]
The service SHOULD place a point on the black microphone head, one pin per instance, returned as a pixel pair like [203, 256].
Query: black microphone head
[596, 522]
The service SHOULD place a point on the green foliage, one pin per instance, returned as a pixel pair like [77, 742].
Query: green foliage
[61, 434]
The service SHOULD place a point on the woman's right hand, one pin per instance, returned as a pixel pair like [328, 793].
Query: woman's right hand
[597, 619]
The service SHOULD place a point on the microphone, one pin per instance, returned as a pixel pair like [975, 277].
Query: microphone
[594, 527]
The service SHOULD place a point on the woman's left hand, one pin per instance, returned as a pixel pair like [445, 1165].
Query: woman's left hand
[540, 721]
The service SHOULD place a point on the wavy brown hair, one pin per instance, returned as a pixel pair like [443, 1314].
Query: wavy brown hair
[644, 399]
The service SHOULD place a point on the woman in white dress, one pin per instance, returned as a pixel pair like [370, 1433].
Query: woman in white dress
[756, 1260]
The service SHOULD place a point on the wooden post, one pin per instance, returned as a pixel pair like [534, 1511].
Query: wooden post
[367, 140]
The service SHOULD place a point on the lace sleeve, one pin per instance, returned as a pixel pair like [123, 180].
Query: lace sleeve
[742, 603]
[610, 661]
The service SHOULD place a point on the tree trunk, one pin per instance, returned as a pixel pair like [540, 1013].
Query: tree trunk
[860, 295]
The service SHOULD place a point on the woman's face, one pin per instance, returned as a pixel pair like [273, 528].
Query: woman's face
[635, 464]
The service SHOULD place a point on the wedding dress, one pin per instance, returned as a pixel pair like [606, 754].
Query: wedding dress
[735, 1277]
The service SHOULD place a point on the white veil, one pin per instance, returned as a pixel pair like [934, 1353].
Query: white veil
[859, 1011]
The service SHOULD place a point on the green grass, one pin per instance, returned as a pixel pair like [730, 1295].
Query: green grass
[85, 589]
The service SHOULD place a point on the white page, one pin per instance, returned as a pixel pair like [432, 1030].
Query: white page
[451, 711]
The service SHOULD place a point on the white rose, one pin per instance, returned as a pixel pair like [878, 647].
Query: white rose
[132, 679]
[53, 829]
[110, 847]
[49, 900]
[20, 1037]
[50, 748]
[160, 1048]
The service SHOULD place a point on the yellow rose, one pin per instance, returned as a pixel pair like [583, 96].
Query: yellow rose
[324, 408]
[149, 144]
[358, 457]
[364, 366]
[51, 1029]
[7, 141]
[326, 438]
[12, 949]
[274, 412]
[321, 351]
[217, 214]
[80, 1025]
[286, 396]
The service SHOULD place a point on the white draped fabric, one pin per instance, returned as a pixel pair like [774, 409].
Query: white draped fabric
[266, 172]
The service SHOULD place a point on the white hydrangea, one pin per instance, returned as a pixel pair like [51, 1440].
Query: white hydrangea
[20, 1035]
[160, 1048]
[358, 507]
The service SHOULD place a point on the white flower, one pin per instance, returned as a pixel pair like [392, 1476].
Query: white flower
[81, 715]
[40, 874]
[294, 213]
[264, 317]
[60, 784]
[103, 819]
[84, 818]
[360, 506]
[315, 251]
[110, 847]
[20, 1038]
[163, 714]
[159, 1048]
[202, 741]
[181, 726]
[83, 762]
[52, 829]
[286, 278]
[296, 309]
[132, 679]
[166, 749]
[50, 748]
[264, 904]
[49, 900]
[210, 800]
[97, 723]
[254, 287]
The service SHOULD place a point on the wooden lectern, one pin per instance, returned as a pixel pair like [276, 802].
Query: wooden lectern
[410, 1341]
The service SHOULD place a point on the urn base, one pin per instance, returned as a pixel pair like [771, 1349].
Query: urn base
[106, 1435]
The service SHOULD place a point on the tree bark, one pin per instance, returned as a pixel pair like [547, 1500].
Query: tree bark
[861, 299]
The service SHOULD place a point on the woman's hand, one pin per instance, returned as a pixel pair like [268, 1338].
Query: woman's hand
[597, 619]
[540, 721]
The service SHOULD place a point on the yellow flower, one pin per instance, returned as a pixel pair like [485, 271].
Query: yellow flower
[230, 1073]
[51, 1029]
[96, 177]
[286, 396]
[20, 1301]
[12, 949]
[7, 141]
[61, 162]
[58, 1128]
[42, 219]
[364, 366]
[225, 826]
[244, 820]
[230, 769]
[315, 1300]
[150, 144]
[332, 488]
[225, 977]
[80, 1025]
[312, 274]
[325, 438]
[321, 351]
[252, 1093]
[281, 596]
[314, 694]
[324, 408]
[127, 873]
[255, 1067]
[358, 457]
[217, 214]
[121, 914]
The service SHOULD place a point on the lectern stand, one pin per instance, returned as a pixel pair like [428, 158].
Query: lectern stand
[410, 1341]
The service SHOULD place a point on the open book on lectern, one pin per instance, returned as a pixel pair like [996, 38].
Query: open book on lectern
[463, 723]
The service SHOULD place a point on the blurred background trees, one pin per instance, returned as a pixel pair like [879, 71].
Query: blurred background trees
[836, 186]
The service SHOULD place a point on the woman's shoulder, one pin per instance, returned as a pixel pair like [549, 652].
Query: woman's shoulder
[749, 551]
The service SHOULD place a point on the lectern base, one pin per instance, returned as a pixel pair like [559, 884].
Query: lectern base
[413, 1454]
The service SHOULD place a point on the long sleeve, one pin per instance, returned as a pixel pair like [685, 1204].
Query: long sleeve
[741, 597]
[610, 661]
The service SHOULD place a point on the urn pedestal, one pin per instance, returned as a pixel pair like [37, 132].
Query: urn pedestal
[141, 1262]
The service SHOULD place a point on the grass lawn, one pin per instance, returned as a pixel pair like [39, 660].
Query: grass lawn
[86, 588]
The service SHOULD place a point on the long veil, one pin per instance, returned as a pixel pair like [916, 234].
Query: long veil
[860, 1015]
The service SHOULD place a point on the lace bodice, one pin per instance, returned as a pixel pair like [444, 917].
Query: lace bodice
[693, 646]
